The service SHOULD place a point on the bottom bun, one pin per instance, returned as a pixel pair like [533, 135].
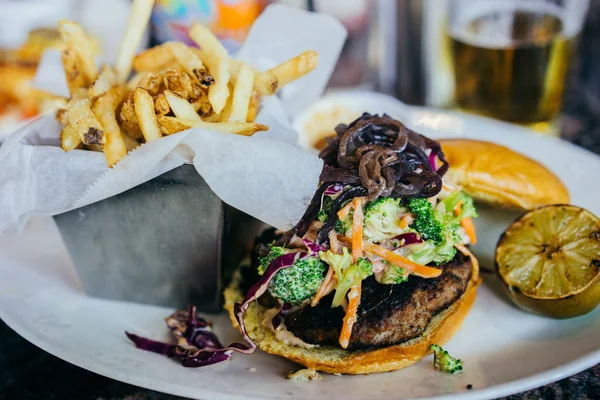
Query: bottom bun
[334, 359]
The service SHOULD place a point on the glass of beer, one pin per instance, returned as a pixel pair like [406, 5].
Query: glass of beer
[510, 57]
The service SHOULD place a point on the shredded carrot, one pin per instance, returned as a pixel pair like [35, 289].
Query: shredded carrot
[343, 213]
[323, 288]
[330, 281]
[406, 220]
[467, 224]
[463, 249]
[469, 227]
[350, 318]
[332, 285]
[457, 208]
[357, 229]
[413, 268]
[448, 188]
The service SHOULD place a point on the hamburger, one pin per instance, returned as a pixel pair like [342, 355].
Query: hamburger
[377, 271]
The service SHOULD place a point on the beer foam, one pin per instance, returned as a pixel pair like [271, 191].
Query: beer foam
[497, 33]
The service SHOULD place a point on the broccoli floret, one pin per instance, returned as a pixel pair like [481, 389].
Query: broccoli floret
[382, 218]
[467, 209]
[425, 222]
[299, 282]
[323, 214]
[339, 262]
[430, 252]
[394, 275]
[381, 205]
[444, 361]
[353, 275]
[275, 251]
[344, 227]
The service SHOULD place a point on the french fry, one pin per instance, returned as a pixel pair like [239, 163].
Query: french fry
[188, 59]
[130, 143]
[213, 118]
[253, 106]
[241, 95]
[197, 91]
[175, 66]
[219, 91]
[104, 109]
[144, 111]
[129, 121]
[69, 139]
[181, 108]
[295, 68]
[218, 64]
[72, 66]
[138, 21]
[178, 83]
[94, 147]
[226, 113]
[61, 116]
[154, 59]
[83, 120]
[170, 125]
[56, 102]
[243, 128]
[205, 78]
[106, 80]
[75, 40]
[196, 105]
[132, 83]
[161, 105]
[202, 106]
[186, 84]
[264, 83]
[150, 83]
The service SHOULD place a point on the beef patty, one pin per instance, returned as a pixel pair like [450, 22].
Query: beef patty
[388, 314]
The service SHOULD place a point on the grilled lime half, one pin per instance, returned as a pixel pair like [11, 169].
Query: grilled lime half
[549, 261]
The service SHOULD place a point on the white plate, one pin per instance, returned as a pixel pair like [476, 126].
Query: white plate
[505, 350]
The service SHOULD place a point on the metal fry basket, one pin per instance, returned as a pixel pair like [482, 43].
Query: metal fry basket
[170, 242]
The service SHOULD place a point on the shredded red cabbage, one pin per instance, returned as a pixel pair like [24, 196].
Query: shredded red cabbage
[432, 161]
[409, 238]
[313, 248]
[260, 287]
[197, 345]
[334, 189]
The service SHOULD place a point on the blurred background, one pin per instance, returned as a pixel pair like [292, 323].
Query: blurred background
[529, 62]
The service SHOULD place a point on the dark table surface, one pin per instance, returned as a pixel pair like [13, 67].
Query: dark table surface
[27, 372]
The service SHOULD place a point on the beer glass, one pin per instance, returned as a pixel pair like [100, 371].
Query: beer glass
[510, 57]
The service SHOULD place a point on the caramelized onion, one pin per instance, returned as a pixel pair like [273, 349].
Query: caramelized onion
[379, 157]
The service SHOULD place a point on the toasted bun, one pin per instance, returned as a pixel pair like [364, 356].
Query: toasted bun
[333, 359]
[495, 174]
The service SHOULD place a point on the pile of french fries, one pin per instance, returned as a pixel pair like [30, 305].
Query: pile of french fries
[174, 87]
